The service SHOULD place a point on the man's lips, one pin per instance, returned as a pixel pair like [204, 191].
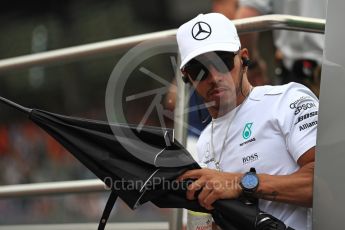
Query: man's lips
[217, 90]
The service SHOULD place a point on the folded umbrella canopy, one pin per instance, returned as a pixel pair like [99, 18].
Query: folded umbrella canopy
[149, 175]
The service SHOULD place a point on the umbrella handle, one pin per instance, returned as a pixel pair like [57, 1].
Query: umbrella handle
[15, 105]
[265, 221]
[107, 210]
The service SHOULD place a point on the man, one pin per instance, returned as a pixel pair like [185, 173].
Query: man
[257, 73]
[226, 7]
[261, 141]
[300, 53]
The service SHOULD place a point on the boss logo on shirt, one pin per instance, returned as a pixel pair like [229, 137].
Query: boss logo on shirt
[306, 116]
[250, 158]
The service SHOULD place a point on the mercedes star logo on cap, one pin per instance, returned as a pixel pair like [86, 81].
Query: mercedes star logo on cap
[201, 31]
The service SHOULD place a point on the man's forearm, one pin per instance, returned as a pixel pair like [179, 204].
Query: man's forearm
[296, 188]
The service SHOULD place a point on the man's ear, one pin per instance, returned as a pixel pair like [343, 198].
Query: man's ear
[246, 62]
[244, 54]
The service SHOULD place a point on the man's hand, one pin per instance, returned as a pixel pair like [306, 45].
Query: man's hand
[213, 185]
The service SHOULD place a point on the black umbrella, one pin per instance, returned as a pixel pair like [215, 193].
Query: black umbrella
[106, 149]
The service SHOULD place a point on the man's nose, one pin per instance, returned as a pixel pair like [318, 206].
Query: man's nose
[213, 74]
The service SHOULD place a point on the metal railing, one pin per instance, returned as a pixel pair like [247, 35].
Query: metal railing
[89, 226]
[255, 24]
[280, 22]
[51, 188]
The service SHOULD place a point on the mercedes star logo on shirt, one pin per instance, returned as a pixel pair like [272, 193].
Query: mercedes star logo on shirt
[201, 31]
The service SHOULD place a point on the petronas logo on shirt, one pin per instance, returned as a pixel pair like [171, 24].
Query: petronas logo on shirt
[247, 132]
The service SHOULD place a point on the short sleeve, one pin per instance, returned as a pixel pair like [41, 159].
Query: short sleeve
[298, 121]
[263, 6]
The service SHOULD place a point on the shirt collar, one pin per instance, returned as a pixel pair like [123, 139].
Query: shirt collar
[260, 91]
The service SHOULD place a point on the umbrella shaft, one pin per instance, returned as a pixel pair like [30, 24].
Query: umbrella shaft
[15, 105]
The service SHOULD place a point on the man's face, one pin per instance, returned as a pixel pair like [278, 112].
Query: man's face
[216, 77]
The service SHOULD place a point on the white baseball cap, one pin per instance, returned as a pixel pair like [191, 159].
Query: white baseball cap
[206, 33]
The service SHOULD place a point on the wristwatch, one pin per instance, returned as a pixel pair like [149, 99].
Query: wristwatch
[249, 183]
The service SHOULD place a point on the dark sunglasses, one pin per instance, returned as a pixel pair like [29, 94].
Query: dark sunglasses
[197, 68]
